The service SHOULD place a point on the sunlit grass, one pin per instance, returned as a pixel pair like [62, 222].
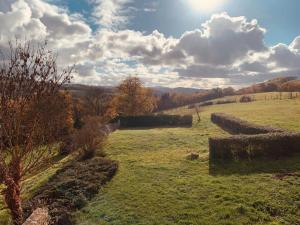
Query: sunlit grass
[157, 185]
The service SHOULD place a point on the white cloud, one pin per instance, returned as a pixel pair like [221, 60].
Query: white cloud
[111, 14]
[224, 51]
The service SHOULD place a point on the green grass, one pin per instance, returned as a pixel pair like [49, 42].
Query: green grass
[155, 183]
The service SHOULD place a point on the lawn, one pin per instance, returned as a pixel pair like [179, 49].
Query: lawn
[155, 183]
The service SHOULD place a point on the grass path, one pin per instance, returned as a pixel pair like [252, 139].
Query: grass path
[155, 184]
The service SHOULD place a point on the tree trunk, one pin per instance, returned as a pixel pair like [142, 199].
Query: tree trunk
[12, 193]
[13, 201]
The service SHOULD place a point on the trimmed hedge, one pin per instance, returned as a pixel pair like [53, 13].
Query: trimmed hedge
[226, 101]
[155, 121]
[206, 103]
[234, 125]
[239, 147]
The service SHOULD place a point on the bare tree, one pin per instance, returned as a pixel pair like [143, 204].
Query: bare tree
[29, 121]
[97, 101]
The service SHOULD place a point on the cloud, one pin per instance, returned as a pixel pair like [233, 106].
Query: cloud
[286, 56]
[224, 50]
[223, 40]
[111, 14]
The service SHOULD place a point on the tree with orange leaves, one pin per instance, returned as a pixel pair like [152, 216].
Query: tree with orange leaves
[133, 99]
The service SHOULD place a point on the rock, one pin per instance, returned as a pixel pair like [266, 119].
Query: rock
[193, 156]
[39, 217]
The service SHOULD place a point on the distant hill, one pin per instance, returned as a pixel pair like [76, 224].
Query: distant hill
[80, 89]
[162, 90]
[292, 85]
[277, 84]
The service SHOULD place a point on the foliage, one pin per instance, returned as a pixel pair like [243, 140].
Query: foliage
[89, 138]
[133, 99]
[237, 126]
[155, 121]
[30, 116]
[97, 102]
[269, 146]
[245, 99]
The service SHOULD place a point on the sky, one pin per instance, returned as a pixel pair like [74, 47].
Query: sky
[172, 43]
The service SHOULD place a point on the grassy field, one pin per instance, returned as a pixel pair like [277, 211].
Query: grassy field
[155, 183]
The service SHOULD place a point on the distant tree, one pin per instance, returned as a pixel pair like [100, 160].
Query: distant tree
[30, 116]
[228, 91]
[132, 98]
[245, 99]
[217, 92]
[78, 113]
[97, 101]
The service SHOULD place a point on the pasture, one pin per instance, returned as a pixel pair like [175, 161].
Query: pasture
[156, 184]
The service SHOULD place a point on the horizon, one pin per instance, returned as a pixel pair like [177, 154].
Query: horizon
[189, 44]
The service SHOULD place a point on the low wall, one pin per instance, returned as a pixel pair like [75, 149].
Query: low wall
[38, 217]
[234, 125]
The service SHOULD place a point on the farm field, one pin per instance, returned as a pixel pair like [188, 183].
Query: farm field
[156, 184]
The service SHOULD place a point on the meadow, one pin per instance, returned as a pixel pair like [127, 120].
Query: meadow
[156, 184]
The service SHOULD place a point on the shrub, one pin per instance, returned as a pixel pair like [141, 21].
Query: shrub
[66, 147]
[245, 99]
[226, 101]
[206, 104]
[155, 121]
[89, 139]
[239, 147]
[234, 125]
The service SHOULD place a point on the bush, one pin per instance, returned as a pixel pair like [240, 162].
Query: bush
[89, 138]
[245, 99]
[234, 125]
[206, 104]
[240, 147]
[66, 147]
[155, 121]
[226, 101]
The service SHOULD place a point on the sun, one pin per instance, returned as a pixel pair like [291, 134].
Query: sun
[205, 5]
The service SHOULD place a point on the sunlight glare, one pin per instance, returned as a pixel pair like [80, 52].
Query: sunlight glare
[205, 5]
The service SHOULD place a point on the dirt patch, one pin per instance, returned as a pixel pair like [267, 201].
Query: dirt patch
[71, 188]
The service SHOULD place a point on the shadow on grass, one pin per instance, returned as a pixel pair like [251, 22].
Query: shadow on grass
[272, 166]
[71, 188]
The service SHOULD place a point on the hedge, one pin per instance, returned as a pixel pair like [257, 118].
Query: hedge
[234, 125]
[239, 147]
[155, 121]
[226, 101]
